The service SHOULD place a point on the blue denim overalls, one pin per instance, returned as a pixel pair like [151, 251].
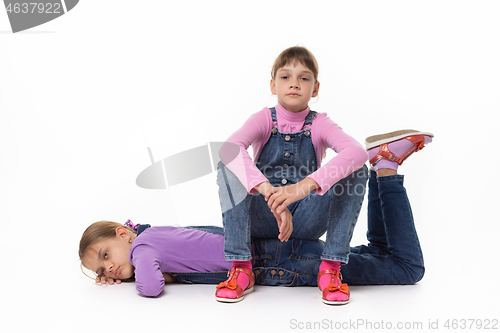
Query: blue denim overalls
[286, 159]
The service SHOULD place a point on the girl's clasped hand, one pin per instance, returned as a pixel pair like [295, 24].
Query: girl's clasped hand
[279, 197]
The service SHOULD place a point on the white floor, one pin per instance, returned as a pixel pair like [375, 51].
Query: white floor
[84, 306]
[45, 291]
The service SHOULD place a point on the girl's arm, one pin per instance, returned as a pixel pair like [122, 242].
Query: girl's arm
[255, 131]
[168, 278]
[351, 155]
[149, 280]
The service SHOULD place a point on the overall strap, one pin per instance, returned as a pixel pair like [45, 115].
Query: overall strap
[142, 227]
[273, 114]
[310, 117]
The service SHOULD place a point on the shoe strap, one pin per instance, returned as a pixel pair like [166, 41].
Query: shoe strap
[332, 287]
[387, 154]
[251, 275]
[332, 272]
[232, 281]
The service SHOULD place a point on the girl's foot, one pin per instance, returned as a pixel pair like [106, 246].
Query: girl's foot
[388, 151]
[333, 291]
[239, 283]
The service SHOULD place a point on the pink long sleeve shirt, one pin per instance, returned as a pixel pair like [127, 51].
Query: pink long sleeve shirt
[257, 129]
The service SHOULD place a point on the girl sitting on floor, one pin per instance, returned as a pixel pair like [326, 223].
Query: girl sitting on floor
[158, 255]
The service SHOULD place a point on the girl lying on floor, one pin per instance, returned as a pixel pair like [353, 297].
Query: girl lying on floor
[153, 256]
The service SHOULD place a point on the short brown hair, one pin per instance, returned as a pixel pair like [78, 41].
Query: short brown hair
[293, 55]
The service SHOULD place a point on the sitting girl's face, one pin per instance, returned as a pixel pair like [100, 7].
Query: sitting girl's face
[110, 257]
[294, 86]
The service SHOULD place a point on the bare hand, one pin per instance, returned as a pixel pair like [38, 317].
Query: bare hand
[281, 197]
[285, 224]
[103, 279]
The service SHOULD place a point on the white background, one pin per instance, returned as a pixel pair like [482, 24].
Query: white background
[83, 96]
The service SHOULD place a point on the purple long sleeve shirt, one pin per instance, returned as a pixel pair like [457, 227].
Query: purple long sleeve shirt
[161, 250]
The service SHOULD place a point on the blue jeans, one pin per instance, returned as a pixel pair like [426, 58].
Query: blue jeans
[336, 213]
[392, 256]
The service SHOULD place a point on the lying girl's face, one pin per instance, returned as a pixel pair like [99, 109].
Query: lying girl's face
[110, 257]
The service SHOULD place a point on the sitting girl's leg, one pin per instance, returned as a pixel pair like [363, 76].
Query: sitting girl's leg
[235, 203]
[240, 212]
[335, 212]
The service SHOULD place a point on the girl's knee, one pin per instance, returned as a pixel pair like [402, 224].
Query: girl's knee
[414, 275]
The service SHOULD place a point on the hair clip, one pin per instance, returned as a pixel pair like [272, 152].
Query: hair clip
[132, 226]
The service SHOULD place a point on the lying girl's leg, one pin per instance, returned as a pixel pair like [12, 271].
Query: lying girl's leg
[376, 228]
[377, 239]
[402, 261]
[393, 255]
[397, 259]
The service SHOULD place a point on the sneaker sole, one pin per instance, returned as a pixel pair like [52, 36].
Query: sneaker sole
[377, 140]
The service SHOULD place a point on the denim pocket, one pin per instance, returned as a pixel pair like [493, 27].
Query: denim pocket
[274, 276]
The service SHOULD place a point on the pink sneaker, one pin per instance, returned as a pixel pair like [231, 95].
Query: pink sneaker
[396, 146]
